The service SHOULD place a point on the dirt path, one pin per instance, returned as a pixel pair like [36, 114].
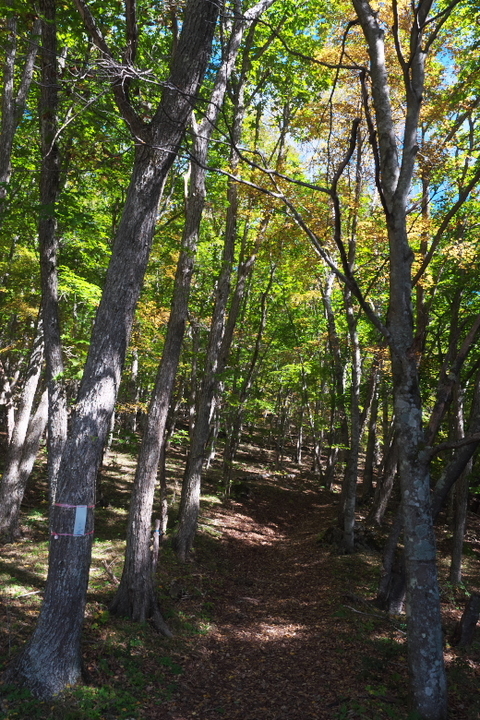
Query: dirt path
[276, 650]
[269, 623]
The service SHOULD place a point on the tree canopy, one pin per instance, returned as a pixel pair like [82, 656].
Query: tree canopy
[249, 217]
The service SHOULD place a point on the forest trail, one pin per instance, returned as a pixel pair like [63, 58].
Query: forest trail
[269, 623]
[281, 644]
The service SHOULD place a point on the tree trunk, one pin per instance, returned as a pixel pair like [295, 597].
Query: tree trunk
[465, 629]
[13, 105]
[13, 481]
[219, 342]
[349, 488]
[385, 484]
[460, 500]
[394, 179]
[338, 436]
[135, 597]
[370, 454]
[391, 589]
[31, 445]
[459, 524]
[52, 658]
[47, 238]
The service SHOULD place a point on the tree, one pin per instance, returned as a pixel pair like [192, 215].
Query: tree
[21, 452]
[394, 175]
[50, 183]
[135, 596]
[52, 659]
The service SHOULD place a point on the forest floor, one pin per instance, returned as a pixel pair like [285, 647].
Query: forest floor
[269, 622]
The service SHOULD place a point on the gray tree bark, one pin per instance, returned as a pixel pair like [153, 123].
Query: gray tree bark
[12, 486]
[219, 341]
[349, 489]
[337, 437]
[425, 644]
[385, 484]
[135, 596]
[370, 453]
[51, 659]
[460, 500]
[48, 242]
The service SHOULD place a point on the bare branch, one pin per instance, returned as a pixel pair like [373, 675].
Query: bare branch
[120, 73]
[468, 440]
[309, 58]
[462, 197]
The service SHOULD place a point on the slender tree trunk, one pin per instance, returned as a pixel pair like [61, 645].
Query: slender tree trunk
[349, 489]
[394, 179]
[370, 454]
[135, 596]
[219, 342]
[47, 236]
[338, 437]
[6, 399]
[13, 482]
[460, 500]
[52, 658]
[385, 484]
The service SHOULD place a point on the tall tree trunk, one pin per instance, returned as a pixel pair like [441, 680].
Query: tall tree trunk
[12, 486]
[219, 341]
[135, 596]
[370, 453]
[460, 500]
[349, 489]
[48, 242]
[13, 104]
[6, 399]
[394, 178]
[392, 584]
[52, 658]
[338, 436]
[385, 484]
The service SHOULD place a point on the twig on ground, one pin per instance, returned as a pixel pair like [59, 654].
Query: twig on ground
[380, 617]
[110, 574]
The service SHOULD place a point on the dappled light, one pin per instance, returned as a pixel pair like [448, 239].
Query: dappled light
[239, 360]
[268, 621]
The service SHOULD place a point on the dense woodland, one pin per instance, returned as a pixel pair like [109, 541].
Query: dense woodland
[230, 223]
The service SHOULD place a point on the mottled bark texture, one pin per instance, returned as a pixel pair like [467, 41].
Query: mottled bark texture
[219, 341]
[52, 658]
[395, 172]
[14, 101]
[135, 596]
[48, 244]
[14, 478]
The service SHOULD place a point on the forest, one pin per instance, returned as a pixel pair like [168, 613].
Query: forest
[239, 360]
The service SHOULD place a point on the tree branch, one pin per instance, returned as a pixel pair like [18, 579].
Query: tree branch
[120, 80]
